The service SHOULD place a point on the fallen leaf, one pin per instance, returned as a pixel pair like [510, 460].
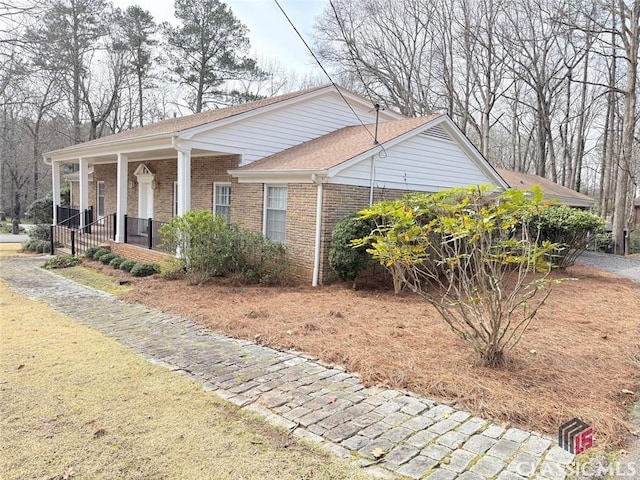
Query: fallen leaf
[378, 452]
[99, 433]
[627, 392]
[533, 352]
[21, 366]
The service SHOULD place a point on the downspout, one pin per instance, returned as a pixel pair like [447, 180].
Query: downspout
[316, 256]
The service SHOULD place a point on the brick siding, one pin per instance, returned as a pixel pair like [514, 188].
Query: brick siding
[204, 172]
[247, 203]
[138, 254]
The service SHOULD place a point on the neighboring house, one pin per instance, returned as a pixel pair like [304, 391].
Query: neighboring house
[290, 167]
[551, 190]
[636, 212]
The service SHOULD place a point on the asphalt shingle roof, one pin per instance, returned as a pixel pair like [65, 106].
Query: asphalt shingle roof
[551, 189]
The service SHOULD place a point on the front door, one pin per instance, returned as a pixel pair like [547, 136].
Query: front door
[145, 202]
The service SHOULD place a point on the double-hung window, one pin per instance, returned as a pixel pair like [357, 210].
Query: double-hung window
[275, 213]
[222, 200]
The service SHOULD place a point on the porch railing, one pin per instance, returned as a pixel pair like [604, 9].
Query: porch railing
[79, 240]
[145, 232]
[69, 216]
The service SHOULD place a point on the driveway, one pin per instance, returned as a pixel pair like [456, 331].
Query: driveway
[623, 266]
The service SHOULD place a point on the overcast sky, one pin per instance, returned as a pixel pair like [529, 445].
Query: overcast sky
[270, 34]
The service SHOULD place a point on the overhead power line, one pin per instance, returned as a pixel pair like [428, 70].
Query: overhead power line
[373, 137]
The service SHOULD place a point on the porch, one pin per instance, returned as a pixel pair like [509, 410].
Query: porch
[74, 236]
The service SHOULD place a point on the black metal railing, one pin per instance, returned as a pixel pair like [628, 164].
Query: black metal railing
[80, 239]
[68, 215]
[145, 232]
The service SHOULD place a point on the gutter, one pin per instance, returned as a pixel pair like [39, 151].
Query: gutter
[319, 181]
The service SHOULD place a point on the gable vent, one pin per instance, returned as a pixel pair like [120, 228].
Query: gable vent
[437, 132]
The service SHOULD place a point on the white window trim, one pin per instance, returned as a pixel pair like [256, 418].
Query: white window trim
[214, 204]
[264, 206]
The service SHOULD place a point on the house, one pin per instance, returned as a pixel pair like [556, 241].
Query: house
[552, 191]
[289, 166]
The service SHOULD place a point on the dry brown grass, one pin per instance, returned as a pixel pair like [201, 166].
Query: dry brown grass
[10, 249]
[578, 356]
[74, 404]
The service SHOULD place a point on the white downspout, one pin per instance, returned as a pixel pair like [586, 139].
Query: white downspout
[316, 256]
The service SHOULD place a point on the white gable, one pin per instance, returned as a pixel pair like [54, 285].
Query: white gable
[281, 128]
[428, 162]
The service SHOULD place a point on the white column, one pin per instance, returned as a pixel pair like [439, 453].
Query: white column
[122, 185]
[84, 188]
[184, 180]
[55, 177]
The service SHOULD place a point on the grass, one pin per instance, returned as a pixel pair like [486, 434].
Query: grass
[9, 249]
[75, 404]
[94, 279]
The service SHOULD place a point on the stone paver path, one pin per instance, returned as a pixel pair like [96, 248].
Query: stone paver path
[386, 432]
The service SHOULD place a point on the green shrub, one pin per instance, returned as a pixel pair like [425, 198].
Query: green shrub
[42, 246]
[91, 251]
[115, 262]
[41, 210]
[107, 257]
[127, 265]
[634, 242]
[100, 252]
[62, 261]
[569, 228]
[210, 247]
[29, 245]
[173, 269]
[40, 232]
[144, 269]
[347, 260]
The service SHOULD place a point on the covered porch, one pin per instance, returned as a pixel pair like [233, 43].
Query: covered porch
[126, 192]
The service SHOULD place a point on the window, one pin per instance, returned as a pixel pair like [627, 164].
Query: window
[275, 218]
[175, 199]
[100, 199]
[222, 200]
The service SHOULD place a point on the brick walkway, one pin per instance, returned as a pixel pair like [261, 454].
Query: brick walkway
[386, 432]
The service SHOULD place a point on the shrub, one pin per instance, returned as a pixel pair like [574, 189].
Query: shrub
[91, 251]
[107, 257]
[42, 246]
[202, 240]
[127, 265]
[492, 275]
[144, 269]
[173, 269]
[41, 210]
[347, 260]
[100, 252]
[62, 261]
[571, 229]
[256, 259]
[634, 242]
[210, 247]
[115, 262]
[40, 232]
